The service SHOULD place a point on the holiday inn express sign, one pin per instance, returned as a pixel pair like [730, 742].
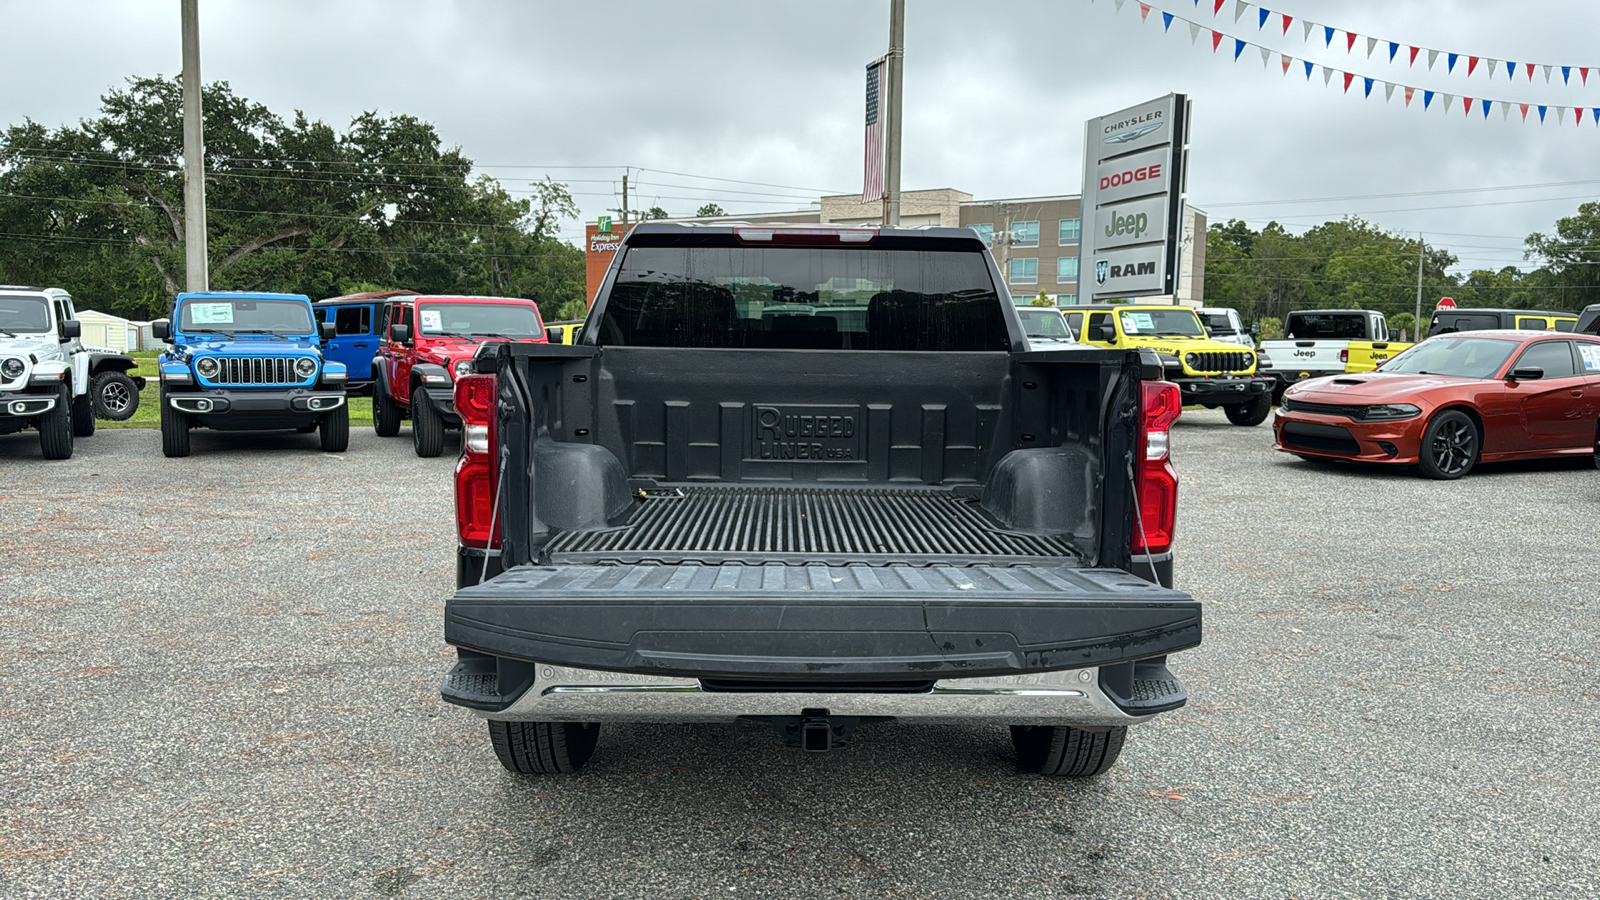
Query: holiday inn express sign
[1133, 166]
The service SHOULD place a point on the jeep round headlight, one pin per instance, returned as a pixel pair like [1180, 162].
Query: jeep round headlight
[1249, 360]
[463, 367]
[305, 367]
[1190, 360]
[207, 367]
[12, 368]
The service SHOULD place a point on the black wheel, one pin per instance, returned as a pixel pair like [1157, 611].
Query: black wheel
[82, 416]
[336, 429]
[427, 429]
[1449, 446]
[174, 430]
[1066, 751]
[116, 396]
[1253, 412]
[385, 415]
[543, 748]
[55, 427]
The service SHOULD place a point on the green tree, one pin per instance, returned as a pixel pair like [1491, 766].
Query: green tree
[709, 209]
[1572, 259]
[656, 212]
[1405, 322]
[1042, 300]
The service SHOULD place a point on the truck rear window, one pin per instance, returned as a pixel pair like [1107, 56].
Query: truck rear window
[1326, 326]
[804, 298]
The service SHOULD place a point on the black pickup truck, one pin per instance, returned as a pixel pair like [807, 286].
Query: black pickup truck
[814, 477]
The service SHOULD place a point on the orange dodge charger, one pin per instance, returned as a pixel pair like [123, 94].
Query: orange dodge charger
[1451, 402]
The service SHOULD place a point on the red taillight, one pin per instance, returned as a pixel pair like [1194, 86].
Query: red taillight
[805, 235]
[477, 520]
[1157, 481]
[1344, 355]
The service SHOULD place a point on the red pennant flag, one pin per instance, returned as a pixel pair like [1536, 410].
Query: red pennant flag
[1409, 92]
[1348, 77]
[1578, 110]
[1524, 108]
[1414, 51]
[1218, 8]
[1216, 36]
[1472, 63]
[1530, 71]
[1286, 20]
[1583, 72]
[1350, 41]
[1144, 11]
[1286, 61]
[1466, 106]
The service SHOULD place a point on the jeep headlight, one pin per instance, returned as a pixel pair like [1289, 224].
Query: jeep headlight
[1191, 360]
[463, 367]
[305, 367]
[1390, 412]
[207, 367]
[12, 368]
[1249, 360]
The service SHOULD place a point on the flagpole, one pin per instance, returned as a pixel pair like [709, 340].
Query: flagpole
[897, 50]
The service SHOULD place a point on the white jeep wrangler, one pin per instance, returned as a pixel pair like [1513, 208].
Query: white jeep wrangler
[44, 369]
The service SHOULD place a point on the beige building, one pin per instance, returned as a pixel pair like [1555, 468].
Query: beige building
[1034, 239]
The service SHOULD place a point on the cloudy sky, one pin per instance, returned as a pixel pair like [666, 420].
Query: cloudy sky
[702, 95]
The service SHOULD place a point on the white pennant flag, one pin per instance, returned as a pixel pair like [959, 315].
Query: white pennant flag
[1432, 56]
[1559, 111]
[1194, 32]
[1493, 64]
[1266, 55]
[1546, 74]
[1388, 90]
[1327, 75]
[1447, 101]
[1372, 44]
[1239, 6]
[1308, 25]
[1119, 4]
[1505, 110]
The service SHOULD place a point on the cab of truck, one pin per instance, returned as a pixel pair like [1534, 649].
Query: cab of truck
[1208, 372]
[1449, 321]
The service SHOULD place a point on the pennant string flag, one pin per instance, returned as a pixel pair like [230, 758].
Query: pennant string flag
[1368, 91]
[1450, 62]
[1265, 14]
[1166, 21]
[1393, 49]
[1350, 42]
[1238, 48]
[1327, 35]
[1286, 20]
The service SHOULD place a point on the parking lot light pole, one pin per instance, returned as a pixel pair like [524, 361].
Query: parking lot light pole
[194, 149]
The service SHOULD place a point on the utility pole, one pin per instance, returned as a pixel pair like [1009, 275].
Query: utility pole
[897, 68]
[1416, 322]
[624, 202]
[194, 156]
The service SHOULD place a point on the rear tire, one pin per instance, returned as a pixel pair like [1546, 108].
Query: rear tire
[335, 427]
[1449, 446]
[82, 416]
[1067, 752]
[543, 748]
[1252, 413]
[55, 427]
[116, 396]
[385, 415]
[174, 430]
[427, 429]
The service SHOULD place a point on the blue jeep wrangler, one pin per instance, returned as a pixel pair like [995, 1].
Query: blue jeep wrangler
[355, 333]
[248, 362]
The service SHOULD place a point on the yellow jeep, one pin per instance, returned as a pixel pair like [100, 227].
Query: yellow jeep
[563, 332]
[1207, 372]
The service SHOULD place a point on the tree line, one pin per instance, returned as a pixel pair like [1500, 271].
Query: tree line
[1352, 263]
[293, 205]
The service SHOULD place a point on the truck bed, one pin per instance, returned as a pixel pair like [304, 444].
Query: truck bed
[759, 524]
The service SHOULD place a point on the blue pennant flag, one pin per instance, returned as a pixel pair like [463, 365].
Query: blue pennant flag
[1427, 97]
[1166, 21]
[1450, 62]
[1566, 73]
[1485, 108]
[1328, 30]
[1369, 86]
[1597, 115]
[1238, 48]
[1264, 13]
[1308, 68]
[1541, 113]
[1393, 49]
[1511, 68]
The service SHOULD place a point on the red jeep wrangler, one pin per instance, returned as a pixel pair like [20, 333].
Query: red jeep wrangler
[427, 341]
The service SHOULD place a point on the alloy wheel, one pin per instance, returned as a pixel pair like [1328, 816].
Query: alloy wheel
[1454, 447]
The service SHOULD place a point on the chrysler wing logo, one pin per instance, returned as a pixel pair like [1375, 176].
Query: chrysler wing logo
[1132, 134]
[1101, 267]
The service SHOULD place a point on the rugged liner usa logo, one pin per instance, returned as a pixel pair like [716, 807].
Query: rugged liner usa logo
[809, 433]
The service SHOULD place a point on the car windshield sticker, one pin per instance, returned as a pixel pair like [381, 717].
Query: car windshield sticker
[211, 313]
[1135, 322]
[432, 320]
[1591, 357]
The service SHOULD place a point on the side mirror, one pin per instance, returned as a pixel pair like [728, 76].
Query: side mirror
[326, 331]
[400, 333]
[70, 330]
[1527, 373]
[552, 334]
[577, 334]
[161, 329]
[1106, 333]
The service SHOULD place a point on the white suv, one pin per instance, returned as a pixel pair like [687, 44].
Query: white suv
[44, 369]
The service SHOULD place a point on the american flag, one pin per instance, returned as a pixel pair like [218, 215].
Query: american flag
[872, 183]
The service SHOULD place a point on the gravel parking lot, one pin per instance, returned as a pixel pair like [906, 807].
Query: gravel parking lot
[218, 678]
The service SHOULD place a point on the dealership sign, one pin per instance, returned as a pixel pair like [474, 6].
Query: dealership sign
[1133, 200]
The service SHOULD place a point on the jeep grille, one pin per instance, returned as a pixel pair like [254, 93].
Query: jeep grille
[256, 370]
[1220, 361]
